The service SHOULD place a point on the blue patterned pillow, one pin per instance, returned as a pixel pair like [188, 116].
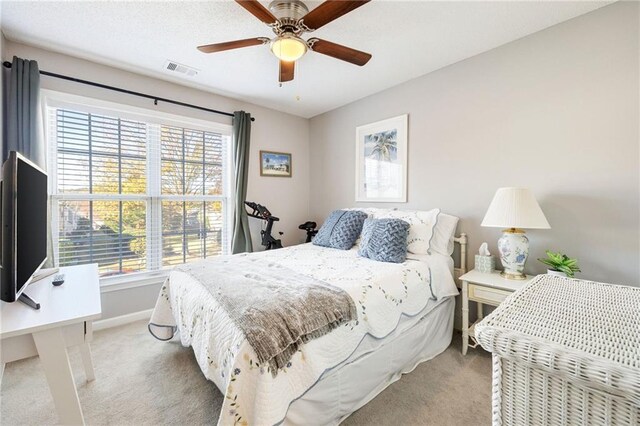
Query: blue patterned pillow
[341, 229]
[323, 236]
[384, 240]
[348, 229]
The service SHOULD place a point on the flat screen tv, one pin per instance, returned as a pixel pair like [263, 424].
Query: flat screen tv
[24, 225]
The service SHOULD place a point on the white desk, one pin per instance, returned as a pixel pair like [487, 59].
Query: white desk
[63, 320]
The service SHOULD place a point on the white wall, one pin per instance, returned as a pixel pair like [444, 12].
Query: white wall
[287, 198]
[556, 111]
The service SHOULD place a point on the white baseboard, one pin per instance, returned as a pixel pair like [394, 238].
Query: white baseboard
[122, 320]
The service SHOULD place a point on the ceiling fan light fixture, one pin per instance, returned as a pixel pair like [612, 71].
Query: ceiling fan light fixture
[289, 20]
[288, 47]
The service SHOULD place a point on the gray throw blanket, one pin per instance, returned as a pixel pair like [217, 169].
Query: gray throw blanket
[276, 308]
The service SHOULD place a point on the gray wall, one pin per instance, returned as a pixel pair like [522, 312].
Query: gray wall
[287, 198]
[556, 111]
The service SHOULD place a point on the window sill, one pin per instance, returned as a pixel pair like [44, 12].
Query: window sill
[109, 284]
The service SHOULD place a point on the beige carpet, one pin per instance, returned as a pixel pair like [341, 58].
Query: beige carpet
[142, 381]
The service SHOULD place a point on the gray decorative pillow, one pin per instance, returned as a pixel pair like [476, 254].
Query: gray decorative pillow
[341, 229]
[347, 230]
[323, 236]
[384, 240]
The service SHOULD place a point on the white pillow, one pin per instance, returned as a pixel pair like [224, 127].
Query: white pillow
[421, 227]
[369, 210]
[443, 233]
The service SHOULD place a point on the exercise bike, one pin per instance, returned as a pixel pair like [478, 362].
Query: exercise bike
[259, 211]
[310, 227]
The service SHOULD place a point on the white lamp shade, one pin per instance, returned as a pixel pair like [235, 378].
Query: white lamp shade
[515, 208]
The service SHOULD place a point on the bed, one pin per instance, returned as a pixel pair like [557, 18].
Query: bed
[405, 317]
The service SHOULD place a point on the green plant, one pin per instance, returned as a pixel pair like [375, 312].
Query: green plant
[561, 263]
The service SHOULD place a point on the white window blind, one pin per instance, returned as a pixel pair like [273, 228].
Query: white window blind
[135, 195]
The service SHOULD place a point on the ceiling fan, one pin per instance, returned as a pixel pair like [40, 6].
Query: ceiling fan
[289, 19]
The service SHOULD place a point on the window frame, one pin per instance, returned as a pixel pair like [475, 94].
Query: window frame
[153, 195]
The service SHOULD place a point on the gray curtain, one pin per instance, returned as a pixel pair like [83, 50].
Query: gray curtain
[23, 112]
[241, 137]
[23, 123]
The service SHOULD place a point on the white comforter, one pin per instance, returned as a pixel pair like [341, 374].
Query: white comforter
[382, 293]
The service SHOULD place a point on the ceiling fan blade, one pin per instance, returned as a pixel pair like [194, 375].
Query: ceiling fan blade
[228, 45]
[259, 11]
[329, 11]
[286, 71]
[339, 51]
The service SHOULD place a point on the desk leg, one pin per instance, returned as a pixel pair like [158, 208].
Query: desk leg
[55, 360]
[85, 352]
[465, 317]
[480, 313]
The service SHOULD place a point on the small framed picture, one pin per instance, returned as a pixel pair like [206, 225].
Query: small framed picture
[275, 164]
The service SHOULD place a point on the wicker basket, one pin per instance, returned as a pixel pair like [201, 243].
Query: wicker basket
[565, 352]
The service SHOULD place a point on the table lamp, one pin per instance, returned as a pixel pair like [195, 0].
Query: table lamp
[514, 209]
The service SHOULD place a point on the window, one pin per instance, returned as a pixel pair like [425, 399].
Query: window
[134, 194]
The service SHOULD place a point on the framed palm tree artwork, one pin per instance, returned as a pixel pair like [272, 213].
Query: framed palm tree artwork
[381, 161]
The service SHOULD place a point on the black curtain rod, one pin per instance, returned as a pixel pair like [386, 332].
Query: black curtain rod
[155, 99]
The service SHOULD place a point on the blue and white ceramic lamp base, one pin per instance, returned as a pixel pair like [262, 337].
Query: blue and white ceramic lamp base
[513, 247]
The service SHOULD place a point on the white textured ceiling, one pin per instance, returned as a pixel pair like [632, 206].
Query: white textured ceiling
[407, 39]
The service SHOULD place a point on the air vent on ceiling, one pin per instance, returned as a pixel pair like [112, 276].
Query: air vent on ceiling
[173, 66]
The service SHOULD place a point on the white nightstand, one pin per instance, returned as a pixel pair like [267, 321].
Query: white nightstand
[483, 288]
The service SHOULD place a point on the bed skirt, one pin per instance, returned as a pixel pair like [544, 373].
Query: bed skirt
[352, 384]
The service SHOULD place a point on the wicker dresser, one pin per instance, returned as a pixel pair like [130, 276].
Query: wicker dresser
[565, 351]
